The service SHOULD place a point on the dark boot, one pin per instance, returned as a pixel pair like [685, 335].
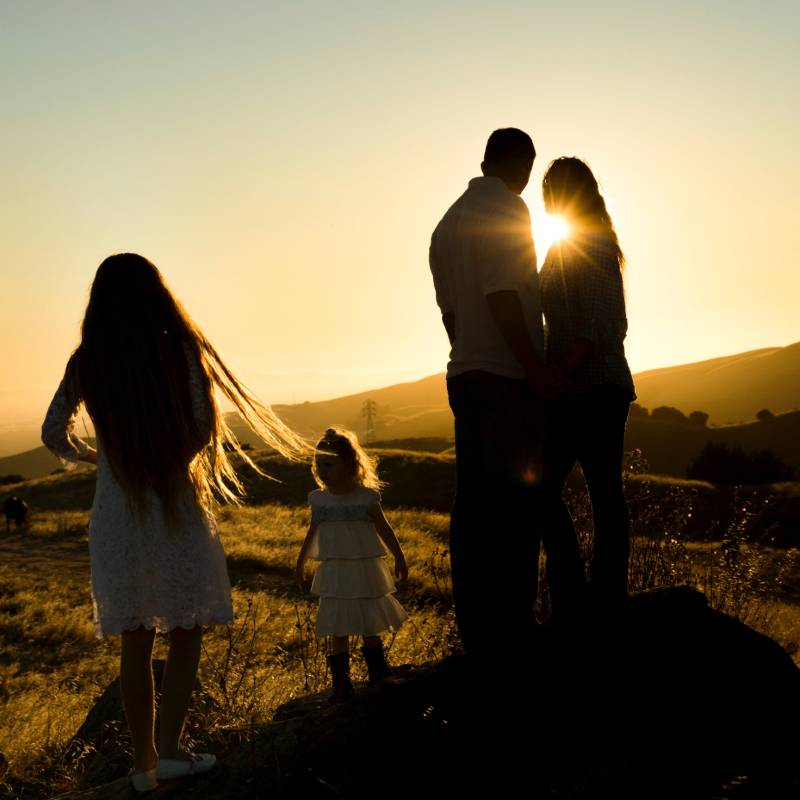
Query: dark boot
[339, 665]
[376, 663]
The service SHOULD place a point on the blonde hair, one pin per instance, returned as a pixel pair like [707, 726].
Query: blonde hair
[341, 442]
[132, 370]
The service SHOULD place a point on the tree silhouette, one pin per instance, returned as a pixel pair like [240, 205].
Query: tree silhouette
[719, 463]
[764, 415]
[699, 418]
[668, 414]
[636, 410]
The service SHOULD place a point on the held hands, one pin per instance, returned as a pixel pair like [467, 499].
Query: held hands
[548, 381]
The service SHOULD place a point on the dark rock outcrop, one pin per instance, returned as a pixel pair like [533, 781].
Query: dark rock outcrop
[102, 743]
[664, 699]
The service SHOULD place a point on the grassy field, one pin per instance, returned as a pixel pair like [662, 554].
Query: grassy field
[270, 655]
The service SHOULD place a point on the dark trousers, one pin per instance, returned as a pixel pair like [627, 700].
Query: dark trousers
[589, 429]
[494, 536]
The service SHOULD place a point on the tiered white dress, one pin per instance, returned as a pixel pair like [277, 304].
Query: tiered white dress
[144, 571]
[355, 587]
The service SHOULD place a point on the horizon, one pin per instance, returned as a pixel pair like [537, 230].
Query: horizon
[285, 166]
[84, 423]
[369, 384]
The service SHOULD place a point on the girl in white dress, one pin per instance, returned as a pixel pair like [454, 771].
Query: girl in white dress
[350, 536]
[146, 375]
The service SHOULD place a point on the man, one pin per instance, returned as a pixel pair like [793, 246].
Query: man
[483, 262]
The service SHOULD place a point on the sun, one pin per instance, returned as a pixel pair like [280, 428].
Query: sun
[549, 229]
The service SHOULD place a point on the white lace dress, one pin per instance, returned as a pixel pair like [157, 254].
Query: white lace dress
[145, 572]
[355, 587]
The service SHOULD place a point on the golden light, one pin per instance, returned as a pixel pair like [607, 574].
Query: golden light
[549, 229]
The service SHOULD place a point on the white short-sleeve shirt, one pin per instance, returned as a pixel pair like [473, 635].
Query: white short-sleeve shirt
[482, 245]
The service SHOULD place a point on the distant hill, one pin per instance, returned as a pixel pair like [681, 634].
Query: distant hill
[670, 446]
[732, 388]
[17, 438]
[729, 389]
[667, 446]
[30, 464]
[404, 411]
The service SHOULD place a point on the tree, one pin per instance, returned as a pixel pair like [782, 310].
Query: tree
[699, 418]
[636, 410]
[764, 415]
[668, 414]
[719, 463]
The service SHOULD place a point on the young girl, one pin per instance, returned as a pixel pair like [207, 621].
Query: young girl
[349, 535]
[146, 375]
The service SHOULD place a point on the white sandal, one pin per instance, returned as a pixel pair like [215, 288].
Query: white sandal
[143, 782]
[170, 769]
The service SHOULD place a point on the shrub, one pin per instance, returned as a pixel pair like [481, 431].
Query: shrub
[764, 415]
[699, 418]
[668, 414]
[719, 463]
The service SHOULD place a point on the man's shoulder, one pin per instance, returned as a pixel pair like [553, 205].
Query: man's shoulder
[454, 210]
[484, 201]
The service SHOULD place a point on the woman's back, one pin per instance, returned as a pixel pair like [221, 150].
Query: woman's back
[152, 566]
[583, 297]
[146, 375]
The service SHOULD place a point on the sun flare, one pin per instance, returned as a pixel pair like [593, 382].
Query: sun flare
[550, 229]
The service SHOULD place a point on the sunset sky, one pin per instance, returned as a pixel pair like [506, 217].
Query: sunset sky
[285, 163]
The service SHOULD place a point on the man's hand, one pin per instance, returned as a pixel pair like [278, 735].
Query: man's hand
[547, 381]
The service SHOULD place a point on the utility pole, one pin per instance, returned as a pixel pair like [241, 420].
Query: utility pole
[369, 410]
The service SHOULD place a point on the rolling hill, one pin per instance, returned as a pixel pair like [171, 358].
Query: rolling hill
[728, 388]
[731, 389]
[670, 446]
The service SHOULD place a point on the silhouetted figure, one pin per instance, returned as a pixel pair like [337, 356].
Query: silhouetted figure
[483, 263]
[350, 537]
[584, 309]
[16, 511]
[147, 376]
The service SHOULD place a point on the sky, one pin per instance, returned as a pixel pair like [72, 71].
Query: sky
[284, 164]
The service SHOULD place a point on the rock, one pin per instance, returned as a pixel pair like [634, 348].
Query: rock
[664, 699]
[101, 748]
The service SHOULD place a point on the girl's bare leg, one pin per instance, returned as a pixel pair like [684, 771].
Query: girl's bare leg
[138, 696]
[176, 688]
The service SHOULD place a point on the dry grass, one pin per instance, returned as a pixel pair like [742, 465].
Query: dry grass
[270, 655]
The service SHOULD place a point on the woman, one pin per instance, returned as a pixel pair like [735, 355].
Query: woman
[147, 375]
[584, 308]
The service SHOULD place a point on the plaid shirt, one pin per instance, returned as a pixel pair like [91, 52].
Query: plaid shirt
[582, 297]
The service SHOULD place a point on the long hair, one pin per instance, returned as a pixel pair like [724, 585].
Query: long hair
[362, 467]
[138, 355]
[571, 190]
